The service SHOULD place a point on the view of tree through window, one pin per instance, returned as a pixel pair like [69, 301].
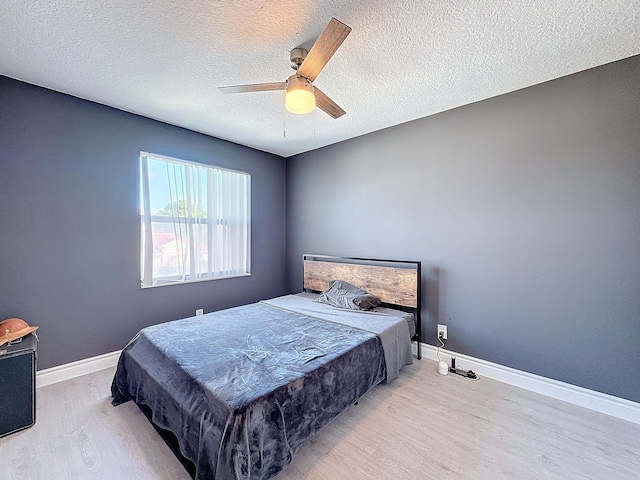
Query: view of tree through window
[180, 208]
[195, 221]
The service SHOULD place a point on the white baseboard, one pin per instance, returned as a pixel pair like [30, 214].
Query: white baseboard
[600, 402]
[76, 369]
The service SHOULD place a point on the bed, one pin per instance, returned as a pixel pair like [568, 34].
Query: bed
[238, 391]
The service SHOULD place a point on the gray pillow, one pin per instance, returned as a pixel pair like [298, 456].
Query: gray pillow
[342, 294]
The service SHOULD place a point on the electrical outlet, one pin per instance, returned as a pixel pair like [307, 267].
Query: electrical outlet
[442, 329]
[200, 311]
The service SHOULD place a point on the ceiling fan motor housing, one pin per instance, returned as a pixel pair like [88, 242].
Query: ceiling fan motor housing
[297, 82]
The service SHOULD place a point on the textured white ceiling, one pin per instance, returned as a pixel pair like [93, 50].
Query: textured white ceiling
[403, 60]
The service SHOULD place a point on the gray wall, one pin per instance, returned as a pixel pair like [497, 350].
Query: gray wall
[69, 230]
[525, 210]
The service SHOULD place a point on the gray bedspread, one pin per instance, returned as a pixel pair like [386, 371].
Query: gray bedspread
[243, 388]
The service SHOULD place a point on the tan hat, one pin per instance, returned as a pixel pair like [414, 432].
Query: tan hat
[13, 328]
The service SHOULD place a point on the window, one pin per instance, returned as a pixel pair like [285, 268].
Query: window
[195, 221]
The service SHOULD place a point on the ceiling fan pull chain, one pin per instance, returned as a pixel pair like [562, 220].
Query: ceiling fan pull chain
[315, 115]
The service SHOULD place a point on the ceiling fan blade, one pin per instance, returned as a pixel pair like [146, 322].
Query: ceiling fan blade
[255, 87]
[327, 105]
[328, 42]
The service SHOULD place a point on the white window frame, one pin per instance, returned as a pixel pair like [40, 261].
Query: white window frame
[220, 243]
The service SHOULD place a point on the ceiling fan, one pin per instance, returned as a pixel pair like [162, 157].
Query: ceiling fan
[302, 96]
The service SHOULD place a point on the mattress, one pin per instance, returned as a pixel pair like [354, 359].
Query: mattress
[389, 324]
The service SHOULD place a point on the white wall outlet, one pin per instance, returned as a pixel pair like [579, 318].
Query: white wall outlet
[200, 311]
[442, 329]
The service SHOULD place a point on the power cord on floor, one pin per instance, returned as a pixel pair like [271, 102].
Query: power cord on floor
[470, 374]
[473, 378]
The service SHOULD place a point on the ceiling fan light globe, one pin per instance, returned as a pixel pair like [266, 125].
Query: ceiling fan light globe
[300, 101]
[299, 97]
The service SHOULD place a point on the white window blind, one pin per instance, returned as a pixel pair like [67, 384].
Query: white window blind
[195, 221]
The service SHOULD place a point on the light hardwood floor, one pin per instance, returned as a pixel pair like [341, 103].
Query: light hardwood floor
[422, 426]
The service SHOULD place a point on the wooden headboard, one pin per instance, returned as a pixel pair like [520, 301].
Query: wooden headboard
[392, 281]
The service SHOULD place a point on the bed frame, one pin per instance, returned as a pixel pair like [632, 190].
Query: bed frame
[396, 283]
